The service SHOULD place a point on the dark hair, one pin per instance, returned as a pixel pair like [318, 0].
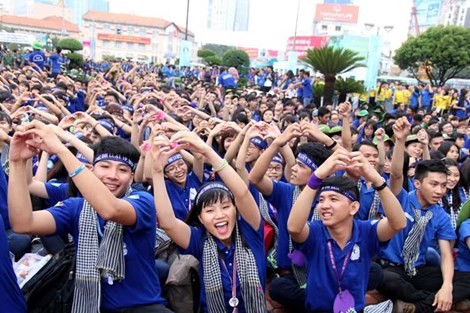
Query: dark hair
[5, 117]
[209, 197]
[322, 111]
[344, 184]
[445, 147]
[456, 200]
[318, 153]
[365, 143]
[118, 146]
[423, 168]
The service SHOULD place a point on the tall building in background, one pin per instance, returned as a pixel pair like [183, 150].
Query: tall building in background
[228, 15]
[453, 12]
[80, 7]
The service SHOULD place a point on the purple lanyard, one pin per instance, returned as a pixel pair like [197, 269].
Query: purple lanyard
[234, 300]
[333, 265]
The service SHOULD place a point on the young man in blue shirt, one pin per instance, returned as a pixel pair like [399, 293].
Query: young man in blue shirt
[407, 277]
[118, 273]
[339, 248]
[288, 289]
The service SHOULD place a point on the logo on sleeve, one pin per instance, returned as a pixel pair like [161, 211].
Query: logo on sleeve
[356, 253]
[134, 197]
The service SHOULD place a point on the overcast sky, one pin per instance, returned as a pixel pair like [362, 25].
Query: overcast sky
[271, 21]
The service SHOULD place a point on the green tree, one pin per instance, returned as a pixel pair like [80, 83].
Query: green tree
[70, 44]
[76, 60]
[442, 52]
[220, 50]
[205, 53]
[236, 58]
[213, 60]
[348, 85]
[318, 93]
[330, 62]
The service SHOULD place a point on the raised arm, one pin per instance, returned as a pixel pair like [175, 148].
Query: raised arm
[379, 134]
[244, 200]
[344, 110]
[401, 129]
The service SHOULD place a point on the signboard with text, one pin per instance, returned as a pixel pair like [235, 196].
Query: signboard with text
[24, 39]
[253, 53]
[124, 38]
[336, 13]
[303, 43]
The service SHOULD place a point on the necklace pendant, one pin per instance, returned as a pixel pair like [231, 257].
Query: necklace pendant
[233, 302]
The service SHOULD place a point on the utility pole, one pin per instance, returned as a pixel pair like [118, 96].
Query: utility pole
[187, 21]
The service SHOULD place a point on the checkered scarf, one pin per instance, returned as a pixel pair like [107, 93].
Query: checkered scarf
[411, 246]
[374, 208]
[247, 271]
[96, 260]
[300, 273]
[264, 210]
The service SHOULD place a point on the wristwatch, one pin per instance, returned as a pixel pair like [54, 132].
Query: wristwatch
[382, 186]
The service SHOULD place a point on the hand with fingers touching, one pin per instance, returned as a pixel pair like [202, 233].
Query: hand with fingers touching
[423, 137]
[362, 167]
[401, 129]
[379, 134]
[190, 141]
[292, 131]
[344, 109]
[43, 138]
[339, 160]
[314, 133]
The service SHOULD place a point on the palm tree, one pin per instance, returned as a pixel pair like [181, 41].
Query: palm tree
[330, 62]
[348, 85]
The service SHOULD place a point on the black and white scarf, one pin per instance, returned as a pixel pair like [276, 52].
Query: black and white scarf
[410, 251]
[271, 255]
[374, 208]
[96, 260]
[247, 272]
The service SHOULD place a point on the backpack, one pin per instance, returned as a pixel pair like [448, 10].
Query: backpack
[183, 285]
[51, 289]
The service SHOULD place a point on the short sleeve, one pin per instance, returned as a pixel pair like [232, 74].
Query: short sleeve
[65, 213]
[195, 242]
[313, 239]
[144, 207]
[444, 231]
[281, 193]
[464, 230]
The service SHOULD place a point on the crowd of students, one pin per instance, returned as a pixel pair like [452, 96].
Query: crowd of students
[314, 206]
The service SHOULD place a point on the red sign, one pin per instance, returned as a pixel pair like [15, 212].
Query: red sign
[336, 13]
[252, 52]
[272, 54]
[124, 38]
[303, 43]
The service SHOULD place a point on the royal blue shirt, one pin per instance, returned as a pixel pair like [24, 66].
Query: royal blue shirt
[366, 199]
[307, 88]
[141, 285]
[282, 199]
[426, 98]
[3, 199]
[55, 65]
[462, 262]
[254, 240]
[439, 227]
[227, 80]
[11, 297]
[321, 279]
[181, 198]
[56, 192]
[38, 57]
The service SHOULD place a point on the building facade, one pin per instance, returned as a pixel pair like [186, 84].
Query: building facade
[133, 37]
[40, 28]
[228, 15]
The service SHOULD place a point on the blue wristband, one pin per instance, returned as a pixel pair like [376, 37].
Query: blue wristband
[314, 182]
[77, 171]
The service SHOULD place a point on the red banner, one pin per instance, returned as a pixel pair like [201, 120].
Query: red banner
[336, 13]
[124, 38]
[303, 43]
[252, 52]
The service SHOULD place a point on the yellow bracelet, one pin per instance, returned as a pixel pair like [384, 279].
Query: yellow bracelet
[224, 165]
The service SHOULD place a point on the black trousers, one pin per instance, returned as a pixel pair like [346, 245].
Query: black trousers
[422, 288]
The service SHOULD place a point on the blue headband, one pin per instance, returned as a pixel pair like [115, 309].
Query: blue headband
[278, 159]
[174, 158]
[302, 157]
[82, 158]
[259, 143]
[114, 157]
[106, 124]
[347, 194]
[210, 186]
[128, 108]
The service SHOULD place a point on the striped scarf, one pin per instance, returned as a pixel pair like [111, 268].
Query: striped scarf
[264, 210]
[374, 208]
[411, 246]
[247, 272]
[96, 260]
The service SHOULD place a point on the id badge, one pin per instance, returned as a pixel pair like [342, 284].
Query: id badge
[344, 303]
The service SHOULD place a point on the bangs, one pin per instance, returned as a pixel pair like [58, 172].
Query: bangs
[214, 196]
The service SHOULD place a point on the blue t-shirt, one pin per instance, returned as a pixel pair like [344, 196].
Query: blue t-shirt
[141, 285]
[426, 98]
[366, 200]
[38, 57]
[253, 238]
[181, 198]
[462, 263]
[227, 80]
[282, 199]
[11, 297]
[4, 198]
[321, 279]
[55, 65]
[307, 88]
[56, 192]
[439, 227]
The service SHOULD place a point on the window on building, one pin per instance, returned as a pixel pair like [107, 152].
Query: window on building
[155, 46]
[142, 31]
[338, 28]
[119, 29]
[118, 45]
[106, 28]
[141, 47]
[130, 30]
[324, 27]
[106, 44]
[130, 46]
